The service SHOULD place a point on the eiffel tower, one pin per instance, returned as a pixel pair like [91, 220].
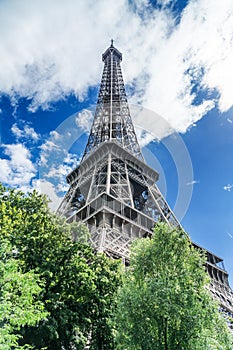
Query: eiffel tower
[114, 192]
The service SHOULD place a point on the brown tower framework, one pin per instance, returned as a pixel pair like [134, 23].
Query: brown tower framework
[114, 191]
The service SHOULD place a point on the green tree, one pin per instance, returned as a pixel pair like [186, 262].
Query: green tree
[108, 279]
[18, 304]
[79, 285]
[164, 302]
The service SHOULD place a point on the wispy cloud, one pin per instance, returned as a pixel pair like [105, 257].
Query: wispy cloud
[194, 182]
[56, 161]
[229, 234]
[26, 132]
[228, 187]
[57, 172]
[44, 57]
[48, 146]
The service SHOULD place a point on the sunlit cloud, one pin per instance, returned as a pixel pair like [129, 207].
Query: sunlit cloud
[45, 57]
[17, 169]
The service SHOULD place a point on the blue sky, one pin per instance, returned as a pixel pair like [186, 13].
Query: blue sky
[177, 64]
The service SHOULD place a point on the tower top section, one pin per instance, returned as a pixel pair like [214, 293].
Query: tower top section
[111, 50]
[112, 121]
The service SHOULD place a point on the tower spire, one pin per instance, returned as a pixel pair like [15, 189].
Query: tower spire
[112, 120]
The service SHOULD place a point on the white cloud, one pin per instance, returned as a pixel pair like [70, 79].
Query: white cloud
[188, 56]
[144, 137]
[30, 133]
[55, 135]
[49, 146]
[16, 131]
[26, 132]
[228, 187]
[71, 160]
[46, 187]
[57, 173]
[194, 182]
[48, 54]
[84, 119]
[18, 170]
[229, 234]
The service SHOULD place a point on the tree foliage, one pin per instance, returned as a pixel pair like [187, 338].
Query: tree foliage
[18, 294]
[57, 293]
[77, 285]
[164, 302]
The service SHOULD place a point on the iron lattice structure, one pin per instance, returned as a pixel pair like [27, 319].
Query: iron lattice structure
[114, 191]
[112, 120]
